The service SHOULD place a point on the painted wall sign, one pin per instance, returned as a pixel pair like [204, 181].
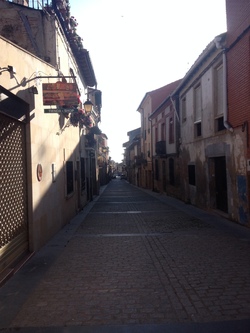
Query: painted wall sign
[60, 93]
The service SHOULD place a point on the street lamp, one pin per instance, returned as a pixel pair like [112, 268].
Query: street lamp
[88, 106]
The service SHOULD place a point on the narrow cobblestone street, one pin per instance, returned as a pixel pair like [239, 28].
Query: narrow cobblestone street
[134, 261]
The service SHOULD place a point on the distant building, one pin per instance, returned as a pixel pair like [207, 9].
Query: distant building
[195, 131]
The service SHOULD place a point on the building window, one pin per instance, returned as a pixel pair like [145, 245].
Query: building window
[163, 134]
[218, 91]
[171, 171]
[184, 109]
[197, 111]
[156, 134]
[191, 174]
[69, 177]
[218, 85]
[197, 127]
[220, 124]
[83, 175]
[171, 130]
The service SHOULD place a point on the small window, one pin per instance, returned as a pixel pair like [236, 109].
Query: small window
[220, 124]
[197, 128]
[69, 177]
[191, 174]
[197, 111]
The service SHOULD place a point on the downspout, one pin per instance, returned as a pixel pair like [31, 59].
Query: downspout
[175, 111]
[177, 128]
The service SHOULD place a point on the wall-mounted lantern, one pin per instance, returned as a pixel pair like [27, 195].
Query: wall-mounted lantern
[88, 105]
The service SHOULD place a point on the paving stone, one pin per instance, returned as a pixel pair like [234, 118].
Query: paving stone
[135, 258]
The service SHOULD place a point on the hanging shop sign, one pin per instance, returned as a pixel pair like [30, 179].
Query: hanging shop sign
[61, 94]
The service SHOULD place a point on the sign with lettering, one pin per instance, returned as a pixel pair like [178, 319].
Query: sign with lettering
[60, 110]
[61, 94]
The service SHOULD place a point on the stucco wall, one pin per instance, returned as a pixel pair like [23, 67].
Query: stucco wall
[47, 144]
[203, 150]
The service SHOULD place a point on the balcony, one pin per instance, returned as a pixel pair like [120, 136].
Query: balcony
[140, 160]
[160, 148]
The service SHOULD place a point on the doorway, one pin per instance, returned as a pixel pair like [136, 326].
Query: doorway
[13, 179]
[220, 175]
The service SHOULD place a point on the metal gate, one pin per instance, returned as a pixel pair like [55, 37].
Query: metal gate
[13, 192]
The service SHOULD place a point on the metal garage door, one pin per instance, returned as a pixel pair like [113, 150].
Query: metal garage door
[13, 192]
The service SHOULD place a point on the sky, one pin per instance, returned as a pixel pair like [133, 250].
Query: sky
[137, 46]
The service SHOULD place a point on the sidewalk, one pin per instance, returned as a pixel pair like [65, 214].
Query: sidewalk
[134, 261]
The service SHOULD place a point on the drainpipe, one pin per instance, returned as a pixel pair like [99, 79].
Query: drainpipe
[219, 45]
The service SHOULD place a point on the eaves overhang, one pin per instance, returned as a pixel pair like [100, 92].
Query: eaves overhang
[211, 47]
[172, 86]
[85, 66]
[81, 54]
[140, 106]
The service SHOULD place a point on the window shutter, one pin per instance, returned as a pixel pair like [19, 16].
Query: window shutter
[197, 101]
[219, 91]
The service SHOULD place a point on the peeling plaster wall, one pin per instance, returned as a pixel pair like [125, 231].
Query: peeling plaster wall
[199, 154]
[202, 151]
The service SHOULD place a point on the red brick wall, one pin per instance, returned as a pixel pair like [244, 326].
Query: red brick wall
[238, 18]
[238, 64]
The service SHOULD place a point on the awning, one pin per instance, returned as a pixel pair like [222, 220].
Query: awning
[13, 106]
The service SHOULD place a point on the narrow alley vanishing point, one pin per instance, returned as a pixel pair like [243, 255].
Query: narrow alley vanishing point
[138, 260]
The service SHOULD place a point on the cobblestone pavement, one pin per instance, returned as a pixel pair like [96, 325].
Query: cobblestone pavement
[134, 261]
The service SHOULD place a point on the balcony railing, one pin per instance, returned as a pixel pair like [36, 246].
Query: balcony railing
[140, 160]
[36, 4]
[160, 148]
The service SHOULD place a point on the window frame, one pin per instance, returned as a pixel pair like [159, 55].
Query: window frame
[70, 178]
[198, 110]
[191, 174]
[218, 98]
